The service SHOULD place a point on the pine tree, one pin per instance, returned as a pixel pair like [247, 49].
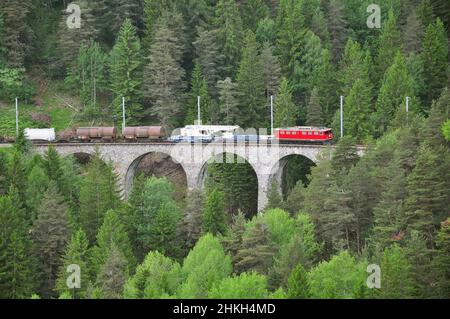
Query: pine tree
[164, 85]
[75, 254]
[251, 85]
[284, 107]
[298, 287]
[389, 45]
[256, 252]
[228, 103]
[112, 233]
[126, 72]
[229, 34]
[214, 218]
[344, 158]
[314, 115]
[112, 276]
[50, 235]
[435, 56]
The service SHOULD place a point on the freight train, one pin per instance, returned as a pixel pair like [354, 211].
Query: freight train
[190, 133]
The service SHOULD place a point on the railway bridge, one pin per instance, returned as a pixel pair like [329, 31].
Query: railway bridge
[267, 159]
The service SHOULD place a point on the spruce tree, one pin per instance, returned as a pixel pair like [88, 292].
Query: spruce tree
[358, 109]
[271, 70]
[314, 115]
[396, 86]
[126, 72]
[389, 45]
[298, 287]
[17, 265]
[51, 233]
[76, 253]
[210, 57]
[435, 58]
[256, 252]
[37, 182]
[164, 75]
[274, 197]
[284, 107]
[214, 218]
[442, 260]
[233, 239]
[251, 85]
[112, 276]
[199, 88]
[192, 219]
[229, 28]
[337, 26]
[112, 232]
[413, 33]
[228, 103]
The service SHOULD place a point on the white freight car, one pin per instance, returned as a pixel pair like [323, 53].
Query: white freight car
[40, 134]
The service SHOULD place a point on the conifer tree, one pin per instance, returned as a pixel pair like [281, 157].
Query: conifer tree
[314, 115]
[37, 182]
[337, 26]
[112, 233]
[271, 70]
[199, 88]
[16, 175]
[442, 259]
[233, 239]
[51, 233]
[112, 276]
[251, 85]
[358, 109]
[427, 200]
[256, 252]
[164, 75]
[396, 86]
[76, 253]
[17, 265]
[389, 45]
[214, 218]
[98, 194]
[126, 71]
[298, 287]
[275, 200]
[284, 107]
[229, 34]
[210, 57]
[228, 103]
[192, 219]
[435, 58]
[133, 210]
[413, 33]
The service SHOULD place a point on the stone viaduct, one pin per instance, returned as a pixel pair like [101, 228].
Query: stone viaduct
[267, 160]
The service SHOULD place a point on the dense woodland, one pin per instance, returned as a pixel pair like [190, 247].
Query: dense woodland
[315, 239]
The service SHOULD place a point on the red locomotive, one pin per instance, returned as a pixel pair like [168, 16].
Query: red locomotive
[304, 134]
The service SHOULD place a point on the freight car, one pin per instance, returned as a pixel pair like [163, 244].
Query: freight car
[152, 133]
[90, 134]
[40, 134]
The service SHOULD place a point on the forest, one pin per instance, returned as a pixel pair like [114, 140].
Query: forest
[317, 237]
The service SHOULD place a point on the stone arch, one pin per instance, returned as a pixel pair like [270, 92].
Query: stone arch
[131, 169]
[278, 169]
[228, 158]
